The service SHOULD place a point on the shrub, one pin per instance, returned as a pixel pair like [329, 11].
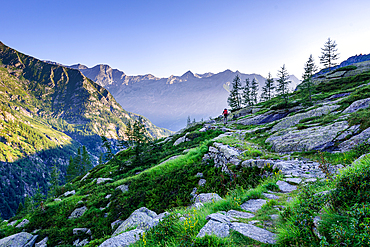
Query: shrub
[353, 185]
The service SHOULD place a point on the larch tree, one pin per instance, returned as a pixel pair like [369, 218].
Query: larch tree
[254, 91]
[329, 54]
[246, 94]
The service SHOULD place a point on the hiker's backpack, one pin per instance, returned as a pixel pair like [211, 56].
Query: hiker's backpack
[225, 112]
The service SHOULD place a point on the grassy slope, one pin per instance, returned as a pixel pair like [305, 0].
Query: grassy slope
[167, 187]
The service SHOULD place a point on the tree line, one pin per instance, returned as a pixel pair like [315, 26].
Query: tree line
[247, 95]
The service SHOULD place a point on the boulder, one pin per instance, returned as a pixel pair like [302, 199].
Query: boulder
[78, 212]
[314, 138]
[16, 240]
[181, 140]
[23, 223]
[84, 177]
[354, 141]
[12, 223]
[267, 117]
[77, 231]
[285, 187]
[221, 230]
[259, 163]
[31, 242]
[117, 222]
[80, 243]
[140, 217]
[293, 120]
[294, 180]
[123, 239]
[357, 105]
[207, 197]
[253, 232]
[42, 243]
[270, 196]
[253, 205]
[202, 182]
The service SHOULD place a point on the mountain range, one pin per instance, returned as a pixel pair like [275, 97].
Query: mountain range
[169, 101]
[46, 113]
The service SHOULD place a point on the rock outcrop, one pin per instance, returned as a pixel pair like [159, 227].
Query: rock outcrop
[18, 240]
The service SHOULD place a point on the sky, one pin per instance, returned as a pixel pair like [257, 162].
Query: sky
[166, 38]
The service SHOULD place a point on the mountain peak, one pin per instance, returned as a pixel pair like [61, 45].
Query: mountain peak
[78, 66]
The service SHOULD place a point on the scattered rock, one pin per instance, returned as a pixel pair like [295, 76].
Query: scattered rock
[239, 214]
[197, 205]
[310, 180]
[78, 212]
[285, 187]
[84, 177]
[108, 196]
[260, 163]
[199, 175]
[123, 188]
[117, 222]
[23, 223]
[16, 240]
[274, 216]
[42, 243]
[254, 232]
[82, 243]
[221, 230]
[181, 140]
[77, 231]
[194, 192]
[12, 223]
[31, 242]
[102, 180]
[294, 180]
[57, 200]
[124, 239]
[202, 182]
[253, 205]
[68, 193]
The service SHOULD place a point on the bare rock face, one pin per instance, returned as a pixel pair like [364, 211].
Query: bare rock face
[253, 205]
[355, 140]
[293, 120]
[315, 138]
[357, 105]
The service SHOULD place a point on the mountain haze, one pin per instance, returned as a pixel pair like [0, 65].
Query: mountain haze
[169, 101]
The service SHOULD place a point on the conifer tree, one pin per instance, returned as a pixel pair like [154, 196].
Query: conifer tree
[329, 54]
[234, 99]
[267, 90]
[254, 91]
[72, 169]
[283, 82]
[309, 70]
[246, 95]
[188, 122]
[86, 164]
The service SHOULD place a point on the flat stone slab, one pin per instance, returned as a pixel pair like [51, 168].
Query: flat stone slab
[124, 239]
[23, 223]
[42, 243]
[123, 188]
[254, 232]
[253, 205]
[239, 214]
[285, 187]
[270, 196]
[221, 230]
[310, 180]
[294, 180]
[16, 240]
[220, 218]
[102, 180]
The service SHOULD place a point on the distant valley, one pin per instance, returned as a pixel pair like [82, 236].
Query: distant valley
[168, 102]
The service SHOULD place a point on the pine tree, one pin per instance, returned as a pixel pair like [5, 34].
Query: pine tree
[283, 81]
[267, 90]
[72, 169]
[108, 147]
[20, 208]
[254, 91]
[309, 70]
[86, 164]
[234, 99]
[246, 95]
[329, 54]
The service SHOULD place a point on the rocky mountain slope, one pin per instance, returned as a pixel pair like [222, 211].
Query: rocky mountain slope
[169, 101]
[46, 113]
[275, 175]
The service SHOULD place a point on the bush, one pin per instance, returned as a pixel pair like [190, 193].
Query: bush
[353, 185]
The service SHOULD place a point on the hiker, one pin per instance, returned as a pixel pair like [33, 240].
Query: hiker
[225, 113]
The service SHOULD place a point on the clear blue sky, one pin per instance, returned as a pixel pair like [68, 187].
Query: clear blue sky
[171, 37]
